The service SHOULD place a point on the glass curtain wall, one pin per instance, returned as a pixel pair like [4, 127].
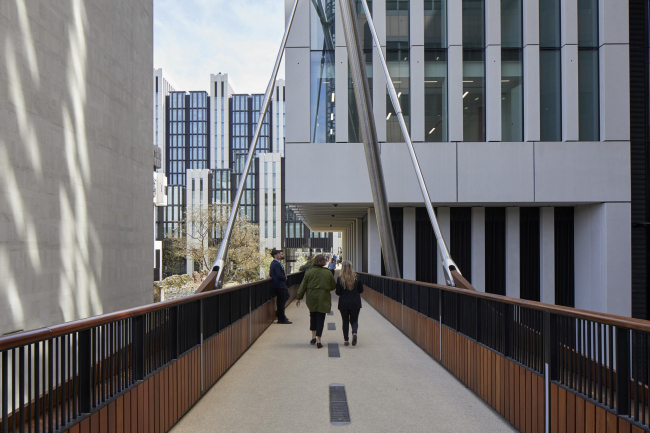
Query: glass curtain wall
[588, 80]
[323, 98]
[512, 89]
[435, 70]
[398, 62]
[550, 79]
[354, 133]
[198, 134]
[473, 70]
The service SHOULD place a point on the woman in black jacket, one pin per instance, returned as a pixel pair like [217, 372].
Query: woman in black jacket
[349, 289]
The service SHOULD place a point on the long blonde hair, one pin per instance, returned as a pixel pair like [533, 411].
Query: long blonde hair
[348, 276]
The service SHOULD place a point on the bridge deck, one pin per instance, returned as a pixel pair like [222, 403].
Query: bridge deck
[281, 384]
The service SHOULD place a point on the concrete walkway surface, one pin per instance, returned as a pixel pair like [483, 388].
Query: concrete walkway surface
[281, 384]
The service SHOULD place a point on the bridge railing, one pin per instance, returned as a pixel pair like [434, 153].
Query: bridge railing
[139, 369]
[543, 367]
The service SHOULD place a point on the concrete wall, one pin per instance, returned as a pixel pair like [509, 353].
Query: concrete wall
[75, 159]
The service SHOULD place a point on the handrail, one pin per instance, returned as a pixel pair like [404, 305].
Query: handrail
[610, 319]
[32, 336]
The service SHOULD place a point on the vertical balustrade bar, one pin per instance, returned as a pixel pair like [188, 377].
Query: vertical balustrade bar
[63, 347]
[37, 385]
[610, 335]
[50, 378]
[29, 388]
[590, 360]
[5, 388]
[138, 348]
[507, 329]
[550, 364]
[75, 376]
[86, 349]
[201, 321]
[21, 388]
[622, 371]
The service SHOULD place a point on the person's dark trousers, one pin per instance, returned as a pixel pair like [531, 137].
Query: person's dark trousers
[283, 297]
[350, 317]
[317, 322]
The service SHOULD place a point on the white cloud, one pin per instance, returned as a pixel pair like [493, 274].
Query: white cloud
[196, 38]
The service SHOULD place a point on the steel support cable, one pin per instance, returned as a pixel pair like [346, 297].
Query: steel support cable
[448, 265]
[220, 261]
[369, 136]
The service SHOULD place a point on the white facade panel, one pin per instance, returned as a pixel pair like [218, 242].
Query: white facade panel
[613, 25]
[417, 93]
[531, 93]
[416, 22]
[547, 254]
[455, 92]
[569, 22]
[582, 172]
[455, 23]
[408, 248]
[299, 33]
[513, 261]
[530, 22]
[602, 258]
[493, 92]
[570, 93]
[438, 164]
[341, 91]
[492, 22]
[495, 172]
[444, 222]
[478, 248]
[614, 92]
[297, 95]
[350, 170]
[374, 245]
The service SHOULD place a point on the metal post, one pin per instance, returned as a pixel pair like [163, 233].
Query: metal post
[138, 348]
[369, 135]
[220, 261]
[622, 371]
[85, 371]
[550, 364]
[448, 264]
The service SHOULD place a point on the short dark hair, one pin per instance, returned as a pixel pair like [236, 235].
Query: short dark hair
[274, 252]
[319, 260]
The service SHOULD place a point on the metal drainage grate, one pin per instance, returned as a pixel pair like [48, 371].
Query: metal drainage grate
[331, 326]
[333, 350]
[331, 313]
[339, 411]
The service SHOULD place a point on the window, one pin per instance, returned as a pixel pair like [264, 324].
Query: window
[550, 91]
[512, 94]
[588, 79]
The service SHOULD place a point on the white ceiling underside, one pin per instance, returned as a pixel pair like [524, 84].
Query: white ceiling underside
[321, 217]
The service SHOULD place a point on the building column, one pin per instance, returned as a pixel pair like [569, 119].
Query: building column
[444, 222]
[408, 247]
[547, 254]
[358, 243]
[531, 70]
[569, 56]
[493, 70]
[513, 280]
[478, 248]
[374, 245]
[378, 78]
[603, 257]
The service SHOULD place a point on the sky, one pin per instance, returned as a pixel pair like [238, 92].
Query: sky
[196, 38]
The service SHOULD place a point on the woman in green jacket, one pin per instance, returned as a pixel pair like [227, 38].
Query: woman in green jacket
[317, 283]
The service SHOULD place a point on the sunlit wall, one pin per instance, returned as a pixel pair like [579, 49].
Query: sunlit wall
[75, 159]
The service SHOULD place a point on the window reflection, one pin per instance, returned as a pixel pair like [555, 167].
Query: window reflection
[550, 71]
[473, 95]
[435, 95]
[354, 133]
[322, 96]
[588, 86]
[512, 95]
[397, 60]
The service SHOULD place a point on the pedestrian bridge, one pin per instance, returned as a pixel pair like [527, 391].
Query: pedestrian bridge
[429, 358]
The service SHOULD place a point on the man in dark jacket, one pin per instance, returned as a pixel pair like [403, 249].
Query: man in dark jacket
[279, 285]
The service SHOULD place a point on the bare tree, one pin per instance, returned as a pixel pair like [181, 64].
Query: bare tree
[199, 238]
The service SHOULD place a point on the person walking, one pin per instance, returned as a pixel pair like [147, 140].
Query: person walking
[279, 285]
[332, 265]
[317, 283]
[349, 290]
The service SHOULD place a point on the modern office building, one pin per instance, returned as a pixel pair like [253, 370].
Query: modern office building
[75, 160]
[519, 111]
[162, 88]
[207, 137]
